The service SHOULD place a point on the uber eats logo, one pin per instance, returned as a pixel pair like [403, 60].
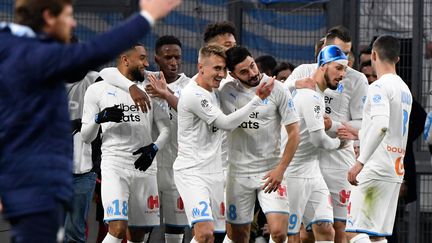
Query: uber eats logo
[251, 124]
[130, 113]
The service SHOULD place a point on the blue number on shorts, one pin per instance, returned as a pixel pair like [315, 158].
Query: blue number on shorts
[204, 210]
[125, 208]
[292, 221]
[117, 207]
[232, 214]
[405, 121]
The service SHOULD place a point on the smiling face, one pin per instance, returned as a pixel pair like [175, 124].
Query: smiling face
[247, 72]
[136, 62]
[212, 70]
[334, 72]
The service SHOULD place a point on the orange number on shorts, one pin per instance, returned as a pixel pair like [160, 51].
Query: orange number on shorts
[399, 167]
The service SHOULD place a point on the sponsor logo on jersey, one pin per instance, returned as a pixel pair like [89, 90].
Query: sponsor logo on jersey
[134, 117]
[111, 93]
[251, 124]
[395, 150]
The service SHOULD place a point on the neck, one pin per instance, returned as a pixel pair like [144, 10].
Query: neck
[203, 84]
[383, 68]
[171, 79]
[125, 73]
[318, 77]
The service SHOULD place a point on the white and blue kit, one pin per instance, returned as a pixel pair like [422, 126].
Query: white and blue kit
[127, 193]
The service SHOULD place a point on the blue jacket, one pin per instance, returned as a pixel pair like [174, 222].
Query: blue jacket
[35, 132]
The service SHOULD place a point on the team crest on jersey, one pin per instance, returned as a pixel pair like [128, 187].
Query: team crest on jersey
[340, 88]
[376, 98]
[290, 104]
[317, 110]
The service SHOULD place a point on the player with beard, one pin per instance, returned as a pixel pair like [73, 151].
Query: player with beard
[256, 169]
[198, 167]
[343, 105]
[309, 197]
[129, 187]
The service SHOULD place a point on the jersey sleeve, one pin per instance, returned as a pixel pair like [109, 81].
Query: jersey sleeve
[379, 101]
[299, 72]
[358, 97]
[91, 107]
[313, 112]
[161, 110]
[202, 107]
[286, 108]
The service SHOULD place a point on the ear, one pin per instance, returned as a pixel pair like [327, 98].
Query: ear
[323, 67]
[397, 59]
[49, 19]
[200, 67]
[156, 59]
[374, 55]
[124, 60]
[232, 74]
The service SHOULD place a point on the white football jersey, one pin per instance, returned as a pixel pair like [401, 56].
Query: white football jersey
[254, 147]
[309, 105]
[168, 154]
[343, 104]
[388, 96]
[120, 140]
[199, 142]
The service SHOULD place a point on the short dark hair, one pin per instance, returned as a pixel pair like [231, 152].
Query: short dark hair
[365, 64]
[267, 63]
[283, 66]
[166, 40]
[236, 55]
[338, 32]
[366, 50]
[131, 48]
[213, 30]
[388, 48]
[30, 12]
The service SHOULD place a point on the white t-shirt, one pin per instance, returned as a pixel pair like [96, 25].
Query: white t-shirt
[168, 154]
[310, 108]
[343, 104]
[82, 161]
[254, 147]
[120, 140]
[388, 96]
[199, 142]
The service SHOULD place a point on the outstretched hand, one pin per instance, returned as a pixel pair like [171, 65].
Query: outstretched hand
[264, 89]
[158, 8]
[158, 87]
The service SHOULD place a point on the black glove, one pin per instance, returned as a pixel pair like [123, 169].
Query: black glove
[76, 126]
[147, 155]
[109, 114]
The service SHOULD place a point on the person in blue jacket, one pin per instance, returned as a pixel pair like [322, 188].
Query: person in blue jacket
[35, 130]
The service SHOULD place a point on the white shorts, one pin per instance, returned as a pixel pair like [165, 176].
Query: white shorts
[340, 190]
[203, 196]
[241, 194]
[173, 213]
[309, 201]
[129, 195]
[372, 207]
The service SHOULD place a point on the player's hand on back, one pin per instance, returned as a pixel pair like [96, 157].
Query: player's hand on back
[158, 8]
[264, 89]
[109, 114]
[140, 98]
[148, 153]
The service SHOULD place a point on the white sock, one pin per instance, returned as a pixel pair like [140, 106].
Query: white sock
[227, 240]
[272, 241]
[361, 238]
[193, 240]
[173, 238]
[381, 241]
[111, 239]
